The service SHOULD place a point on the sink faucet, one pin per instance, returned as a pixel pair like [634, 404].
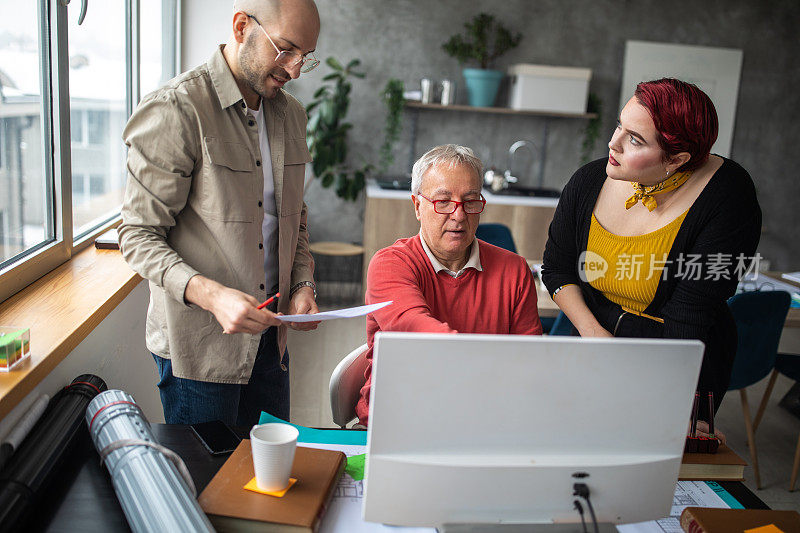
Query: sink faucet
[512, 151]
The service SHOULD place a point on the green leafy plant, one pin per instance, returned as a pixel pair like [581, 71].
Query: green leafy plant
[327, 129]
[483, 41]
[392, 96]
[592, 131]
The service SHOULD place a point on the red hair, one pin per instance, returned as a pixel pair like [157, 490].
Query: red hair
[684, 116]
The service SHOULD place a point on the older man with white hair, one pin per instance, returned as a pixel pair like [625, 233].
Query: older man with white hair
[214, 217]
[444, 280]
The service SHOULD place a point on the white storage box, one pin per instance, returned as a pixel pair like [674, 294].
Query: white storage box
[545, 88]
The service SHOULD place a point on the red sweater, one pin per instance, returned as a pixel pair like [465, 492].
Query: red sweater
[501, 299]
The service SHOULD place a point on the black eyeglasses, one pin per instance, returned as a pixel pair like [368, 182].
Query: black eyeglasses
[448, 207]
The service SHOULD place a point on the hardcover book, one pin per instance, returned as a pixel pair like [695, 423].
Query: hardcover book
[232, 508]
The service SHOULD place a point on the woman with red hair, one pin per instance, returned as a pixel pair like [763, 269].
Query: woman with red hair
[651, 241]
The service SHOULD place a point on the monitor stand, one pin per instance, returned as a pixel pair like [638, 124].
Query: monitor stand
[603, 527]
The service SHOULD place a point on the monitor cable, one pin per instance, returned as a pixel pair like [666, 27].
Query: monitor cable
[582, 490]
[579, 508]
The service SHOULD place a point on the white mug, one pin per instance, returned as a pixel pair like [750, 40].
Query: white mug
[273, 446]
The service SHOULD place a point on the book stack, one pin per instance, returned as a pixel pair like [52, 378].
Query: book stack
[724, 465]
[232, 508]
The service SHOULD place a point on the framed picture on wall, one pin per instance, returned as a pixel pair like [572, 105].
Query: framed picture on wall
[715, 70]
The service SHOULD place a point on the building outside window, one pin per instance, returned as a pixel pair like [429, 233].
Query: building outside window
[105, 68]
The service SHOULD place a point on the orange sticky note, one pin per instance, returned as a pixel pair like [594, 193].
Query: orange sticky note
[764, 529]
[252, 485]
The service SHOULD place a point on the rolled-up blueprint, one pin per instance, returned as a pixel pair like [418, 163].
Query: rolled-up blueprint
[24, 425]
[151, 482]
[40, 457]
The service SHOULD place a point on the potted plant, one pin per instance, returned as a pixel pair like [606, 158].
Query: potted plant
[392, 96]
[592, 130]
[483, 41]
[327, 132]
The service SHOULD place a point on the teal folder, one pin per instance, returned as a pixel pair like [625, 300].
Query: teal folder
[321, 436]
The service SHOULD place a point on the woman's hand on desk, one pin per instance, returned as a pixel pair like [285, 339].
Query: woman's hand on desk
[570, 300]
[597, 331]
[702, 431]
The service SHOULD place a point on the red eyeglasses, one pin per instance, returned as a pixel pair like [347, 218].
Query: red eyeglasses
[448, 207]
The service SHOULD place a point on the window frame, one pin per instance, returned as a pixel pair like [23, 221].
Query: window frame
[42, 258]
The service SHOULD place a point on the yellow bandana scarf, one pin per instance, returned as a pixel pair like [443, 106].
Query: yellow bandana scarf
[646, 193]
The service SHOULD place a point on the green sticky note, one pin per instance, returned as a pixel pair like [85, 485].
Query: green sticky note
[355, 466]
[321, 436]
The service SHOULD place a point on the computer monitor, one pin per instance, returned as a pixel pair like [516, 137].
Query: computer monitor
[494, 428]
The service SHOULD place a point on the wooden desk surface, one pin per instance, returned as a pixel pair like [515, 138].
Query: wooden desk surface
[84, 498]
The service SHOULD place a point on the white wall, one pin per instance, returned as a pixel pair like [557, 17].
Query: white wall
[205, 24]
[115, 351]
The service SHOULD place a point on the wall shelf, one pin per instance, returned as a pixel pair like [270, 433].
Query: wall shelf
[498, 110]
[415, 107]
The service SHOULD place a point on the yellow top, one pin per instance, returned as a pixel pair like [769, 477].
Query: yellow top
[627, 269]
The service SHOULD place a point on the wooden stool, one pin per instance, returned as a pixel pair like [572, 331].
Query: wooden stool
[337, 272]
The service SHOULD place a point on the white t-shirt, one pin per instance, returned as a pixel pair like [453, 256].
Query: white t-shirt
[269, 226]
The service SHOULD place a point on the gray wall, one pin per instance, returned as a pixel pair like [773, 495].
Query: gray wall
[403, 39]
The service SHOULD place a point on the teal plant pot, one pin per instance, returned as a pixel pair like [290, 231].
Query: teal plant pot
[482, 86]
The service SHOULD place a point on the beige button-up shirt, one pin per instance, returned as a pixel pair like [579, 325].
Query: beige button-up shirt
[193, 205]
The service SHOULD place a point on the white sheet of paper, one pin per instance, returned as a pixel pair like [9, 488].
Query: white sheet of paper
[687, 494]
[344, 512]
[792, 276]
[762, 282]
[349, 312]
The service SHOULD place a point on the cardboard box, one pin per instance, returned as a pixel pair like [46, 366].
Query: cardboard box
[546, 88]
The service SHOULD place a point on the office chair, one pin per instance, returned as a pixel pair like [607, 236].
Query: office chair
[759, 320]
[789, 366]
[346, 382]
[500, 235]
[497, 234]
[561, 326]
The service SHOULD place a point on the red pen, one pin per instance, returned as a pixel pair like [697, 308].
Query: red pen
[269, 301]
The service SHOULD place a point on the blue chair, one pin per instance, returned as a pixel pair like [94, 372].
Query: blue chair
[789, 366]
[759, 320]
[500, 235]
[562, 325]
[497, 234]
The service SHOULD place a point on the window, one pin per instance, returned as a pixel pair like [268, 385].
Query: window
[158, 60]
[98, 96]
[62, 160]
[27, 220]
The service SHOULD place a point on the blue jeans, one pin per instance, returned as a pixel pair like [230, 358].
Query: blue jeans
[187, 401]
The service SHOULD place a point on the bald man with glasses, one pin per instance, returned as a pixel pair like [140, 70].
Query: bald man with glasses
[444, 280]
[214, 217]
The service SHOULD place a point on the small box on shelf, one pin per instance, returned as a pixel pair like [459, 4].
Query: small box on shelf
[547, 88]
[15, 346]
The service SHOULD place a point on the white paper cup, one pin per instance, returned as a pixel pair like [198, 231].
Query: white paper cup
[273, 448]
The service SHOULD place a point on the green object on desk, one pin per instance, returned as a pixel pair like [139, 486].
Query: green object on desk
[320, 436]
[355, 466]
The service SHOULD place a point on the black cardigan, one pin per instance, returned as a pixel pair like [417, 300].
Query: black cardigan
[725, 219]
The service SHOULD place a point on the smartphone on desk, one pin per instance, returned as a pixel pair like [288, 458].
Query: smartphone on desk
[216, 437]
